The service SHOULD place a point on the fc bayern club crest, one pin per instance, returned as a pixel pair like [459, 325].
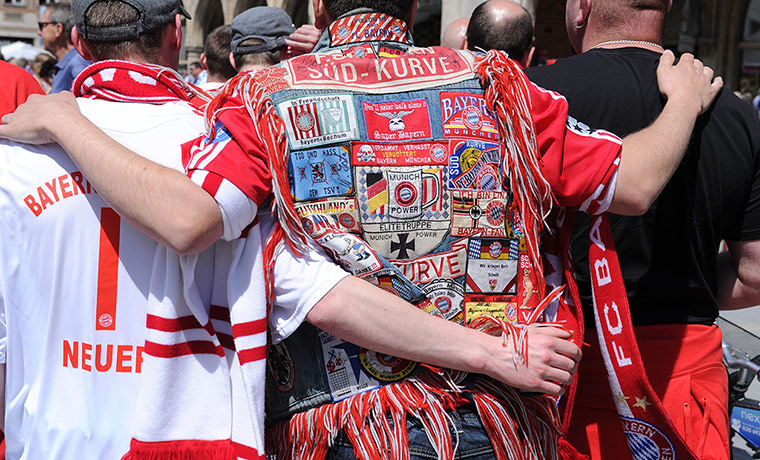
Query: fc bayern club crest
[647, 442]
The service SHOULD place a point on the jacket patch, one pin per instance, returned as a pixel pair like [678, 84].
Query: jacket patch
[498, 306]
[319, 120]
[319, 216]
[397, 121]
[320, 173]
[481, 213]
[492, 266]
[465, 115]
[448, 297]
[475, 165]
[404, 211]
[407, 154]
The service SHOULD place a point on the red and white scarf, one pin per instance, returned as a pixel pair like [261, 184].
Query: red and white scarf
[201, 393]
[648, 429]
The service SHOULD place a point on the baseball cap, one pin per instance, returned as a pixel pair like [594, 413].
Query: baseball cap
[153, 14]
[267, 25]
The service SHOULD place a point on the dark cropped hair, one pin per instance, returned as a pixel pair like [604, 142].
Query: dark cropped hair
[395, 8]
[115, 12]
[515, 36]
[217, 51]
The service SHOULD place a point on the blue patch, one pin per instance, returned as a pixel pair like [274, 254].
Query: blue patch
[475, 165]
[320, 173]
[221, 134]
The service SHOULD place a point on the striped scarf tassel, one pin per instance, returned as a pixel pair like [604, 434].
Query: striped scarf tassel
[508, 97]
[271, 130]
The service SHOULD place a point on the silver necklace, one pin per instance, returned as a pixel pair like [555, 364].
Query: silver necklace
[627, 42]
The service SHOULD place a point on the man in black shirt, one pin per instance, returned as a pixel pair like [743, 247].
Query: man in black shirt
[674, 278]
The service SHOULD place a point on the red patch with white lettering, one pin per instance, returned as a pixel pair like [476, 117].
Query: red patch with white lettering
[271, 78]
[418, 69]
[397, 121]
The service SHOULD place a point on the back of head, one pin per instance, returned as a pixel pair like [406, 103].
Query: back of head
[60, 13]
[455, 33]
[615, 14]
[125, 29]
[217, 50]
[395, 8]
[258, 36]
[501, 25]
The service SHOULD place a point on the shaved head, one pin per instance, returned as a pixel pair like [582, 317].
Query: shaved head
[502, 25]
[454, 35]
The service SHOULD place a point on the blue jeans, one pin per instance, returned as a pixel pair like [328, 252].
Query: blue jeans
[474, 443]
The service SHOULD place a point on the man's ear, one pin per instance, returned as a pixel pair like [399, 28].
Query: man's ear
[232, 61]
[204, 66]
[177, 32]
[584, 11]
[59, 30]
[411, 15]
[80, 45]
[528, 58]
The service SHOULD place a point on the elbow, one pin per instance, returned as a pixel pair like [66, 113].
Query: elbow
[191, 236]
[633, 202]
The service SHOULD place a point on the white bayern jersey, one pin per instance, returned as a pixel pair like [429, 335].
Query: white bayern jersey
[74, 281]
[74, 286]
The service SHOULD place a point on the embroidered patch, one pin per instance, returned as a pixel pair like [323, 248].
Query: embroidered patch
[397, 121]
[498, 306]
[344, 373]
[407, 154]
[387, 51]
[319, 120]
[320, 173]
[448, 297]
[449, 264]
[465, 115]
[491, 269]
[417, 69]
[281, 367]
[480, 213]
[475, 165]
[646, 441]
[272, 78]
[329, 214]
[404, 212]
[350, 252]
[384, 367]
[526, 290]
[367, 27]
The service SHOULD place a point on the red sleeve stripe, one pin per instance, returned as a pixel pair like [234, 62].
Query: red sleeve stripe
[252, 354]
[211, 183]
[245, 452]
[204, 153]
[226, 340]
[195, 347]
[184, 323]
[250, 328]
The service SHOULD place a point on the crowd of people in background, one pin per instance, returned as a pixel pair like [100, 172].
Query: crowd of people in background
[315, 210]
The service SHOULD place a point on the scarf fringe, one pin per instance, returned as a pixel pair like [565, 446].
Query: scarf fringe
[508, 97]
[271, 130]
[520, 428]
[568, 452]
[180, 450]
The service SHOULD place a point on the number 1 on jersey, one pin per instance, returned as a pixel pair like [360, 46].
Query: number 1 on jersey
[108, 270]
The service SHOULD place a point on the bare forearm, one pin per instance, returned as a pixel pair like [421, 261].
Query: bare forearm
[370, 317]
[385, 323]
[160, 201]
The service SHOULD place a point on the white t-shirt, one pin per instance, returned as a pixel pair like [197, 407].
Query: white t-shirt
[74, 309]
